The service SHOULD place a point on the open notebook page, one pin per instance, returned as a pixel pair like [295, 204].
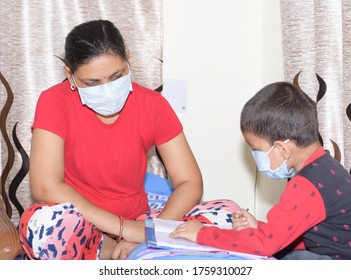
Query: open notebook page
[157, 236]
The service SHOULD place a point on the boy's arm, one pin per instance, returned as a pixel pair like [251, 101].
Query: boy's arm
[301, 207]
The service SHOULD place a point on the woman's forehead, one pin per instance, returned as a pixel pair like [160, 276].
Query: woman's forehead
[101, 66]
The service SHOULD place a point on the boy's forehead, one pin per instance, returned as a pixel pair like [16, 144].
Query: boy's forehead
[256, 142]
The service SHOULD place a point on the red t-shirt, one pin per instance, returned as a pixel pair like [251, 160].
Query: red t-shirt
[107, 163]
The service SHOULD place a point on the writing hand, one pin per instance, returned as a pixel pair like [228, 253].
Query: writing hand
[243, 219]
[188, 230]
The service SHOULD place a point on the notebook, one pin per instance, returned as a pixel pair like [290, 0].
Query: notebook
[157, 236]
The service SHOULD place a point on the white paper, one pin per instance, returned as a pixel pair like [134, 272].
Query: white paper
[163, 228]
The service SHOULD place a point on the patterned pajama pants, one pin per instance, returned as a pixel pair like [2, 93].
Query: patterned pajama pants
[59, 231]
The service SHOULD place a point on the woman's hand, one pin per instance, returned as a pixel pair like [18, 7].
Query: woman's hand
[243, 219]
[134, 231]
[133, 234]
[187, 230]
[122, 249]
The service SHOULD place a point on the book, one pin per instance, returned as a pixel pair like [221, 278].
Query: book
[158, 236]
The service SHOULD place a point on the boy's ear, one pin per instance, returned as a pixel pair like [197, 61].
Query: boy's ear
[284, 148]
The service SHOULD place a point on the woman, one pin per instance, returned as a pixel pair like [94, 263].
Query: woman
[90, 137]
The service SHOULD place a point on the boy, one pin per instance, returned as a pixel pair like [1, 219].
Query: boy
[312, 220]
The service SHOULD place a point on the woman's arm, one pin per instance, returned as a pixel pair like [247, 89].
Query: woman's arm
[185, 176]
[47, 185]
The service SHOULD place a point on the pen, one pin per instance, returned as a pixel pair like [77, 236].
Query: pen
[247, 209]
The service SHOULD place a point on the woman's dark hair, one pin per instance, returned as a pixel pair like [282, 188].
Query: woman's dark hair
[91, 39]
[281, 111]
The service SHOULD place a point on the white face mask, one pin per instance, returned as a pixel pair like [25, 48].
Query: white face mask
[106, 99]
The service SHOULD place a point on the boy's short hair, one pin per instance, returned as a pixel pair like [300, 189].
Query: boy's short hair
[281, 111]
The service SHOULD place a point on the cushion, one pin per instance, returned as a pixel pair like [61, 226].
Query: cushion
[158, 190]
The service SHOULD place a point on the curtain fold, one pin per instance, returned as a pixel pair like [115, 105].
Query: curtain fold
[32, 35]
[316, 39]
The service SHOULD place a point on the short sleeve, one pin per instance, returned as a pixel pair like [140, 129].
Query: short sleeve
[167, 125]
[51, 113]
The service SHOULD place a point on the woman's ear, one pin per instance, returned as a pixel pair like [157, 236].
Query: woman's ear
[69, 77]
[128, 56]
[67, 72]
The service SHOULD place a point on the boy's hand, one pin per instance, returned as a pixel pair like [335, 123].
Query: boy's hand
[188, 230]
[243, 219]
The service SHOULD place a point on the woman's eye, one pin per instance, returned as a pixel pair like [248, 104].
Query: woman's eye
[90, 84]
[114, 78]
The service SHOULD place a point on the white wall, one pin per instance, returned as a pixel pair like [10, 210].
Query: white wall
[226, 50]
[267, 190]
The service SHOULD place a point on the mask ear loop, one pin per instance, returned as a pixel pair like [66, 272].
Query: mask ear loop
[271, 149]
[286, 141]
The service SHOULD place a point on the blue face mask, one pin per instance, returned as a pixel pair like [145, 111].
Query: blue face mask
[109, 98]
[264, 165]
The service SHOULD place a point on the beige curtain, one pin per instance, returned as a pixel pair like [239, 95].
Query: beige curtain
[32, 32]
[316, 37]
